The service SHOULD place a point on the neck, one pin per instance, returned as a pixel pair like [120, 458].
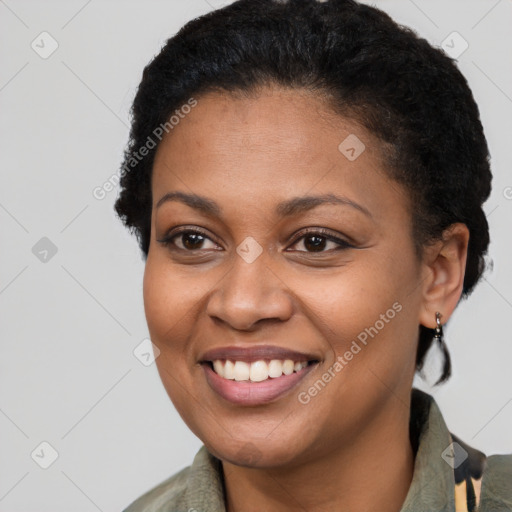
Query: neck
[373, 473]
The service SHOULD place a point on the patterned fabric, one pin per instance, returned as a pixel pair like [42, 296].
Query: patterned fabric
[468, 478]
[444, 478]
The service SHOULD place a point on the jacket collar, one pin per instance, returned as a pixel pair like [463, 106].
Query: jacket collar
[432, 486]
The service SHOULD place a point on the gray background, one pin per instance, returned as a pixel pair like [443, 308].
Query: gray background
[70, 324]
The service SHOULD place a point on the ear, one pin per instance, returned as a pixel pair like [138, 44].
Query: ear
[444, 265]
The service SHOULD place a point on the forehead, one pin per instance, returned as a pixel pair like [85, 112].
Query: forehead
[279, 142]
[271, 118]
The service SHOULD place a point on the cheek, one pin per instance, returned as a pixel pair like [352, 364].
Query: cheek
[167, 303]
[367, 313]
[168, 293]
[159, 300]
[174, 298]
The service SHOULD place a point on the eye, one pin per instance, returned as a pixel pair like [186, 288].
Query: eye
[187, 240]
[315, 241]
[320, 240]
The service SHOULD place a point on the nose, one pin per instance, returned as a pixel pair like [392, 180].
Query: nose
[250, 293]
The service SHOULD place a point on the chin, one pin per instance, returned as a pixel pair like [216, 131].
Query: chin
[254, 453]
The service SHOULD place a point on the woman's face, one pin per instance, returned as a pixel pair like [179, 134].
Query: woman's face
[304, 253]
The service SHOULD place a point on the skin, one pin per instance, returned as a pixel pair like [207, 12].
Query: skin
[248, 154]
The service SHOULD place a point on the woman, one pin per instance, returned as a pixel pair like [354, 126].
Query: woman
[306, 182]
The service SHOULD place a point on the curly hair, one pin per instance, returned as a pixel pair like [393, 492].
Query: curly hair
[406, 92]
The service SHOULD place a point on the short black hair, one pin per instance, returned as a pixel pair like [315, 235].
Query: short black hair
[409, 94]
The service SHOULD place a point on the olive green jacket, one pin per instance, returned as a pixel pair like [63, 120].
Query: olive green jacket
[449, 476]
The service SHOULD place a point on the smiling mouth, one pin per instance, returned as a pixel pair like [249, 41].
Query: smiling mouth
[256, 371]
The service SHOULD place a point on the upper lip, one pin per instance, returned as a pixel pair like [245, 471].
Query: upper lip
[255, 353]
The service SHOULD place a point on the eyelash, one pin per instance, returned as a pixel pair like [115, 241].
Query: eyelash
[321, 232]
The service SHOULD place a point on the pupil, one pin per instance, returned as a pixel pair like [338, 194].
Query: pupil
[192, 240]
[318, 242]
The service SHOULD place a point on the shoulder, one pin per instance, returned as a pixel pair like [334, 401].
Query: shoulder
[168, 493]
[497, 483]
[196, 487]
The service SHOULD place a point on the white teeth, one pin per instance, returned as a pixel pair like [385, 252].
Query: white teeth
[288, 367]
[229, 369]
[219, 368]
[275, 368]
[242, 370]
[257, 371]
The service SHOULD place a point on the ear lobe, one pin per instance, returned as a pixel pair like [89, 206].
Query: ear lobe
[444, 265]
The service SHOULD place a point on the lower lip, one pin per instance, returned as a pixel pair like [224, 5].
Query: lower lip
[254, 393]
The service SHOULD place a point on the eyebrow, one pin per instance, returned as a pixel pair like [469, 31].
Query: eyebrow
[286, 208]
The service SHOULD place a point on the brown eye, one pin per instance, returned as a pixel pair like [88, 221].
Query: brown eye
[187, 240]
[315, 243]
[320, 241]
[191, 240]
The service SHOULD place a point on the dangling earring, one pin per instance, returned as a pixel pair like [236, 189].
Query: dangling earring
[438, 333]
[439, 337]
